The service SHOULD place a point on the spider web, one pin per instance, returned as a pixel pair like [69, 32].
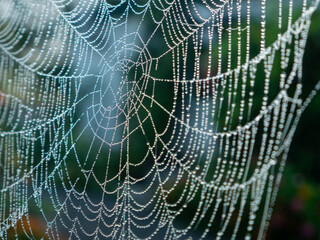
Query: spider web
[147, 119]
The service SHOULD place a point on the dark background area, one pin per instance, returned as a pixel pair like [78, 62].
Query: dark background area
[296, 214]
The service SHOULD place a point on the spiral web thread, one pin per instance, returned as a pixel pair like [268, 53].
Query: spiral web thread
[147, 119]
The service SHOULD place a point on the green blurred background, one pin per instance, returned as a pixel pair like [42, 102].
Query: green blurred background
[296, 214]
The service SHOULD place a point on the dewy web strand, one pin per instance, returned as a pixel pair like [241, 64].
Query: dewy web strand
[147, 119]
